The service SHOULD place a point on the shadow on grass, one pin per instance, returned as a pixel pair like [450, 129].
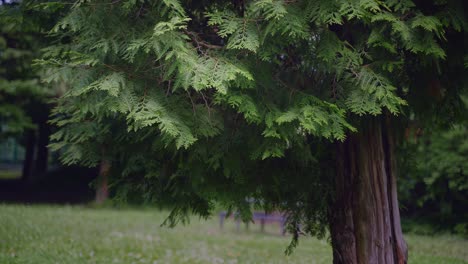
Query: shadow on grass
[64, 185]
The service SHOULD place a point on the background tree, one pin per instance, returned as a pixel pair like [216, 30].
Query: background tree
[24, 110]
[434, 182]
[195, 102]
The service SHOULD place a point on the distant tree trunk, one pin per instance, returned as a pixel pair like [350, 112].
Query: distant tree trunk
[365, 219]
[28, 163]
[42, 157]
[37, 154]
[102, 190]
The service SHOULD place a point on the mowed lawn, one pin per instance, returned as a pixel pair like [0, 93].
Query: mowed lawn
[53, 234]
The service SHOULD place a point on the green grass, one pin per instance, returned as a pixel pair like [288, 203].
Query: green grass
[52, 234]
[10, 174]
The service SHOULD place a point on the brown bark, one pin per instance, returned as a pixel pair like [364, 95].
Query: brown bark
[102, 190]
[365, 219]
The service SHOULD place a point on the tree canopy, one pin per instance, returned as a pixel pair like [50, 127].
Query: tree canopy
[20, 41]
[239, 101]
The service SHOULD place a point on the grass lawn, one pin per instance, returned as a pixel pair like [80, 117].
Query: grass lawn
[10, 174]
[53, 234]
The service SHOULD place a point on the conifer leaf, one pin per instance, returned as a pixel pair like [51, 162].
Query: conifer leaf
[245, 37]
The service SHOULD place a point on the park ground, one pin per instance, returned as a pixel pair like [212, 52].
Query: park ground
[79, 234]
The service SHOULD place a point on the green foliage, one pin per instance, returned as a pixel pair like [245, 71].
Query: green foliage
[434, 185]
[445, 156]
[435, 182]
[218, 101]
[19, 85]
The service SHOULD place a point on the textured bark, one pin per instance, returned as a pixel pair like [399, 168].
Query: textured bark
[365, 219]
[102, 190]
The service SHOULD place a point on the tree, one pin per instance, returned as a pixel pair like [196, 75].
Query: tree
[291, 103]
[24, 109]
[434, 183]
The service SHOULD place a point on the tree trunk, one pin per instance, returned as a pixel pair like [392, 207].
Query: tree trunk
[42, 157]
[28, 162]
[365, 219]
[102, 190]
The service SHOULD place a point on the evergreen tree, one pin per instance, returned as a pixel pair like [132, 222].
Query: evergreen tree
[23, 99]
[17, 83]
[290, 104]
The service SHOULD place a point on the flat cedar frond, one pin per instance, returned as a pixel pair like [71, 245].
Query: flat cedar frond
[238, 102]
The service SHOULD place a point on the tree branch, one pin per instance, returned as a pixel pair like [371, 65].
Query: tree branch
[199, 42]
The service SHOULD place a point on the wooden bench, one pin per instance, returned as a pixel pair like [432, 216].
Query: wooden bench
[257, 217]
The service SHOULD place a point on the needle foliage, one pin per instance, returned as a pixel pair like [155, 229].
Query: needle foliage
[237, 101]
